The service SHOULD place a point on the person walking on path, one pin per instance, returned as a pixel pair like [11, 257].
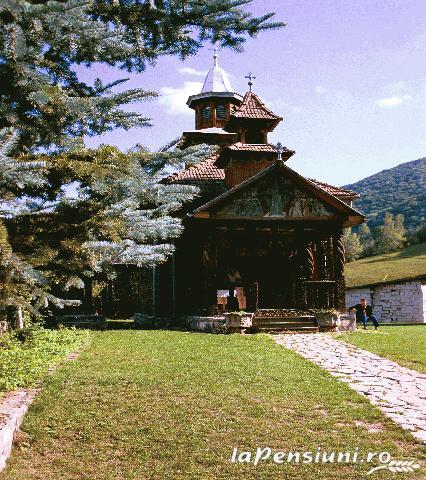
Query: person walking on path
[364, 312]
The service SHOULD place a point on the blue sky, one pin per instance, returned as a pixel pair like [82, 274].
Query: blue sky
[349, 78]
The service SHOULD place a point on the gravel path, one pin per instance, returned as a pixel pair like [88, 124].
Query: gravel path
[398, 391]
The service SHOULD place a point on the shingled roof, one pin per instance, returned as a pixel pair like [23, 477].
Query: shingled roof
[206, 172]
[202, 172]
[252, 147]
[338, 191]
[253, 107]
[267, 149]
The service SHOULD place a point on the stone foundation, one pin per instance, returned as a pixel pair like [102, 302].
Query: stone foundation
[347, 323]
[403, 302]
[148, 322]
[203, 324]
[335, 322]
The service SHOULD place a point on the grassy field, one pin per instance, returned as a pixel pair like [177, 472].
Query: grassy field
[407, 263]
[405, 345]
[172, 405]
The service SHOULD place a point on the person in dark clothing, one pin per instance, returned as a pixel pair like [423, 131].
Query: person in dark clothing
[364, 312]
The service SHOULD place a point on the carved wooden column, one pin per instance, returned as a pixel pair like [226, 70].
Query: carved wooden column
[339, 255]
[306, 272]
[339, 265]
[332, 300]
[310, 262]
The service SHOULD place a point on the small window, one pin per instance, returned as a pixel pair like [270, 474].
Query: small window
[207, 113]
[221, 111]
[255, 136]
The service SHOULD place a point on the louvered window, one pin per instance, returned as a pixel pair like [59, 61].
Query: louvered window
[207, 113]
[221, 111]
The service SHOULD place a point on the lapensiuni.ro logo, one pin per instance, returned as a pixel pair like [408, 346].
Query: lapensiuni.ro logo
[376, 460]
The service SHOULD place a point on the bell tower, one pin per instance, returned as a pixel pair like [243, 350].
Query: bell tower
[251, 122]
[214, 103]
[238, 125]
[213, 107]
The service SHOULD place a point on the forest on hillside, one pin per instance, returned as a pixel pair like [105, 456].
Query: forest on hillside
[397, 190]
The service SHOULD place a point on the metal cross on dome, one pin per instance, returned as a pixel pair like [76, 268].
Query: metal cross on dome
[279, 149]
[215, 54]
[250, 77]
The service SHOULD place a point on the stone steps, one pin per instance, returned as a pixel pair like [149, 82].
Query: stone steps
[288, 329]
[286, 323]
[281, 323]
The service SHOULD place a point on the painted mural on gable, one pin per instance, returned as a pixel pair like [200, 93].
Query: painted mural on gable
[277, 197]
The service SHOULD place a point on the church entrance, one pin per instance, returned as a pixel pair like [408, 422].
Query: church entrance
[253, 268]
[228, 265]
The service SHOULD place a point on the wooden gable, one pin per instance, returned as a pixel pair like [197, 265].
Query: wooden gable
[274, 197]
[278, 193]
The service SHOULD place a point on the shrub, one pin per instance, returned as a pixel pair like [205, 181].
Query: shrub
[26, 355]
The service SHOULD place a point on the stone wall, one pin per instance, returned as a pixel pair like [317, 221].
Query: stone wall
[393, 302]
[424, 302]
[354, 294]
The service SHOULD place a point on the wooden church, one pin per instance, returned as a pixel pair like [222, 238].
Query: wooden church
[259, 235]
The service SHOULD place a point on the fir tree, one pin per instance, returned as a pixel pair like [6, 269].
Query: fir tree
[40, 42]
[21, 286]
[119, 212]
[44, 102]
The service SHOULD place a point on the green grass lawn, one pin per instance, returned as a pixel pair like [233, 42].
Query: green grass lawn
[172, 405]
[26, 356]
[405, 345]
[403, 264]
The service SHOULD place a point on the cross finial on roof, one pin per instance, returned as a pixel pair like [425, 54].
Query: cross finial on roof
[279, 149]
[250, 77]
[215, 55]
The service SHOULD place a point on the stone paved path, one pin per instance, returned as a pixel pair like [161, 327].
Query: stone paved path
[399, 392]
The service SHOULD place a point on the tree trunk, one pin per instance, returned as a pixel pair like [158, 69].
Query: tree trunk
[19, 319]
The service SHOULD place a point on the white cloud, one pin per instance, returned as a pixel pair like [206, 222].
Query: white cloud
[334, 96]
[321, 90]
[192, 71]
[400, 86]
[273, 103]
[174, 99]
[390, 102]
[394, 94]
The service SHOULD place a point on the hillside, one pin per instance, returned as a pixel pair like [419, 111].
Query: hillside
[401, 189]
[403, 264]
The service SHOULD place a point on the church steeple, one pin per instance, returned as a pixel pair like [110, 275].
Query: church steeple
[238, 125]
[216, 80]
[213, 104]
[253, 120]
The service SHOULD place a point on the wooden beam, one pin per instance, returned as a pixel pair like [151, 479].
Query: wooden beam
[324, 218]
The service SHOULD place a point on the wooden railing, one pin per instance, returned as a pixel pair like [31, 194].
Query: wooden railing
[318, 294]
